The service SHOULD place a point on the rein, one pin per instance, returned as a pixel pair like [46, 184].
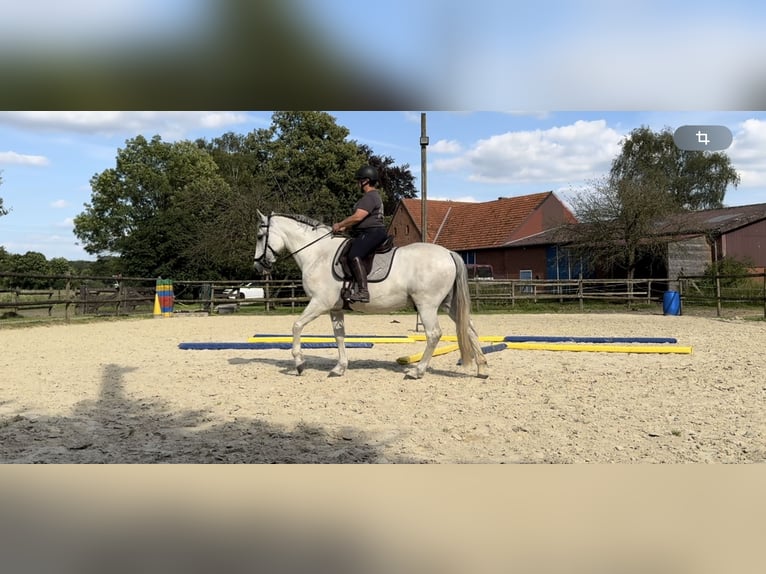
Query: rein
[267, 265]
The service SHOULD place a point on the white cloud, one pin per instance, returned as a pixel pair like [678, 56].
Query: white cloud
[465, 198]
[14, 158]
[59, 204]
[170, 124]
[450, 164]
[412, 117]
[446, 146]
[748, 153]
[560, 154]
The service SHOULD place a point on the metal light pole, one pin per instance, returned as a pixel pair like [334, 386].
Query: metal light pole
[423, 187]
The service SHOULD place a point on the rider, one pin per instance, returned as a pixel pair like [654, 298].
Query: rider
[367, 228]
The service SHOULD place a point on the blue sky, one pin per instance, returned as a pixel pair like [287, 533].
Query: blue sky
[48, 158]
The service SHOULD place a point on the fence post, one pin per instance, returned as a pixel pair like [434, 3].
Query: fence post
[84, 298]
[718, 293]
[122, 304]
[68, 296]
[764, 293]
[580, 292]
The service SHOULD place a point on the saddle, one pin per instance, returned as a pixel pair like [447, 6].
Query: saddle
[377, 264]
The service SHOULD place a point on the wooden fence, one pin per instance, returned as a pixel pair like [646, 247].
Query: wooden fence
[747, 289]
[97, 295]
[83, 295]
[499, 293]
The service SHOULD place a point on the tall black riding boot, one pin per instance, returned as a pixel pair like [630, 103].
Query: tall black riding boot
[360, 276]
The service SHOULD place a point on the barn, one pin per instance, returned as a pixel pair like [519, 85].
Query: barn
[712, 234]
[525, 237]
[488, 233]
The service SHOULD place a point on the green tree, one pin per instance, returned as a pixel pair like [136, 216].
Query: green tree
[312, 163]
[103, 266]
[5, 265]
[618, 223]
[150, 208]
[228, 236]
[731, 270]
[694, 179]
[623, 217]
[304, 162]
[190, 209]
[396, 182]
[59, 266]
[29, 264]
[3, 211]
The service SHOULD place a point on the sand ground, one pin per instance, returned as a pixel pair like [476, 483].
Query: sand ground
[123, 392]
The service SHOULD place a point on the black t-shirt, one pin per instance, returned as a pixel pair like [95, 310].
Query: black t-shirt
[373, 205]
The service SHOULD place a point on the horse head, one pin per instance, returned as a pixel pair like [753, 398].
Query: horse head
[267, 245]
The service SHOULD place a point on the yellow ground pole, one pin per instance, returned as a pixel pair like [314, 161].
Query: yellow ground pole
[417, 356]
[314, 339]
[599, 348]
[453, 338]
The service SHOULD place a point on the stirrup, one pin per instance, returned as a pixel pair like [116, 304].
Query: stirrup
[360, 297]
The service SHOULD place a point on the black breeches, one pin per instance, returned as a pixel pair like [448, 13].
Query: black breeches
[366, 242]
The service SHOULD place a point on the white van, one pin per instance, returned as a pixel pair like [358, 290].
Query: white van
[246, 291]
[480, 272]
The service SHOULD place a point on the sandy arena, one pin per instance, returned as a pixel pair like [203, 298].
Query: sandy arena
[123, 392]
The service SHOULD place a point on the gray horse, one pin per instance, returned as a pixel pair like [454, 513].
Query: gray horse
[427, 275]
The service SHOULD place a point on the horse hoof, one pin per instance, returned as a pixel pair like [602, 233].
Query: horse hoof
[299, 369]
[412, 374]
[335, 373]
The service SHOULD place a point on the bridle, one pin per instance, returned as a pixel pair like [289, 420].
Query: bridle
[263, 260]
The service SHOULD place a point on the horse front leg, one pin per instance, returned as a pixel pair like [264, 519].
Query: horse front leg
[339, 330]
[433, 334]
[311, 312]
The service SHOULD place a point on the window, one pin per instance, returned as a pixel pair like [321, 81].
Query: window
[526, 275]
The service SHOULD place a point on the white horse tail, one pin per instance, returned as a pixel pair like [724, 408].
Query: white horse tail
[467, 337]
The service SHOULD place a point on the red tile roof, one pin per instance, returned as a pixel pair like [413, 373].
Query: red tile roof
[466, 225]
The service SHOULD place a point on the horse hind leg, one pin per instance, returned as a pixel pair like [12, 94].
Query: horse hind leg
[433, 332]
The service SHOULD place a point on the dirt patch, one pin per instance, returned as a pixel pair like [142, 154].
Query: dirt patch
[124, 392]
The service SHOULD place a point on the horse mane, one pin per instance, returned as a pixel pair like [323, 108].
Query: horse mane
[306, 220]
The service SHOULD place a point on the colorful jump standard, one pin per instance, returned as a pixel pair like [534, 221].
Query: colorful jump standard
[164, 298]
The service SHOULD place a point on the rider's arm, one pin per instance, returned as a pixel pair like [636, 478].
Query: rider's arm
[351, 220]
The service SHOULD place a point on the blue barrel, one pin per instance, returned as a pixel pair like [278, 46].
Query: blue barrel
[671, 303]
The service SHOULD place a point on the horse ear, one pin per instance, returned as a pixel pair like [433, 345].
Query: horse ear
[260, 214]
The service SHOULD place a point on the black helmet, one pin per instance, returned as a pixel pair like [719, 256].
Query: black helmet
[367, 172]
